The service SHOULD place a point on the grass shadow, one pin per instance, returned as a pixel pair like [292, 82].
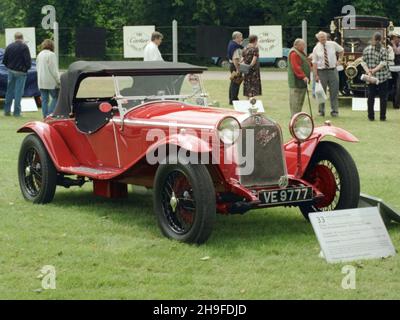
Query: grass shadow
[137, 210]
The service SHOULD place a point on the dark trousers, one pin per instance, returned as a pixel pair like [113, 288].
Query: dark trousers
[374, 90]
[234, 88]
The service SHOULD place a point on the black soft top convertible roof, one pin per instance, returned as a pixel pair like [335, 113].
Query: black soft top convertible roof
[82, 69]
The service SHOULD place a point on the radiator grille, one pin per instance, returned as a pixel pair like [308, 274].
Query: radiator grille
[269, 160]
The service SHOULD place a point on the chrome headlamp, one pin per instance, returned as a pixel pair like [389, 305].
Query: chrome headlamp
[301, 126]
[351, 71]
[229, 130]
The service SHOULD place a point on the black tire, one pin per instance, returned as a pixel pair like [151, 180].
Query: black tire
[36, 172]
[199, 198]
[347, 180]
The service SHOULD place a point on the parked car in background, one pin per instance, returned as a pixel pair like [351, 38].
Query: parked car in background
[149, 124]
[281, 62]
[31, 86]
[354, 41]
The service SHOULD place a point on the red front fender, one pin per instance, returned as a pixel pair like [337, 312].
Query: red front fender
[53, 142]
[308, 147]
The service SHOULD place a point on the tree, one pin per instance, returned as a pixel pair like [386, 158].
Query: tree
[114, 14]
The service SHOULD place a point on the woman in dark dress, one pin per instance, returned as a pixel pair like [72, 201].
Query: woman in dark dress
[252, 80]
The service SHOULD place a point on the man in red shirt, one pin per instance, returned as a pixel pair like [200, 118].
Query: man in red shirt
[299, 71]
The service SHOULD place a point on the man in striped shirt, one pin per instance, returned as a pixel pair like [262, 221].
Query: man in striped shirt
[325, 62]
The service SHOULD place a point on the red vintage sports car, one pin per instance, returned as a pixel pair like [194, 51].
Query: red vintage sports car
[149, 124]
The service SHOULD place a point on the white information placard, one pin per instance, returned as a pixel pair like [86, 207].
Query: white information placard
[352, 235]
[361, 104]
[269, 40]
[27, 105]
[244, 106]
[29, 38]
[135, 40]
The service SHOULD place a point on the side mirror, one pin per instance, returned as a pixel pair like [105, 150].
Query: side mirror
[105, 107]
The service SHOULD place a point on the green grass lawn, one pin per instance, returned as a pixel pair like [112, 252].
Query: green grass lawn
[113, 249]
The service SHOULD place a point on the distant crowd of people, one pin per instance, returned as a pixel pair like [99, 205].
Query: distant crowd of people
[249, 57]
[320, 67]
[17, 59]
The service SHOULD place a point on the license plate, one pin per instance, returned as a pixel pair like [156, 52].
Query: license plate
[286, 196]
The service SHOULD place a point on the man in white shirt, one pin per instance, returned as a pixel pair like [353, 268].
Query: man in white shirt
[325, 62]
[151, 52]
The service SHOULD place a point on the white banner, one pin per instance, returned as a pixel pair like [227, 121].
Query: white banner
[29, 38]
[269, 40]
[135, 40]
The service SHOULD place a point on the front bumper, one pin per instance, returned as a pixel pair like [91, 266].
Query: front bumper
[250, 197]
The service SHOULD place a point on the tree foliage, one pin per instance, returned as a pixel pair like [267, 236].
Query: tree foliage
[114, 14]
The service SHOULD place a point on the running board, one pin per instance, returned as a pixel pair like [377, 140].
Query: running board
[388, 213]
[93, 173]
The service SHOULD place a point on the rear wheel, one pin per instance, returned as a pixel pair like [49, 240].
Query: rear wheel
[281, 63]
[184, 202]
[332, 170]
[36, 172]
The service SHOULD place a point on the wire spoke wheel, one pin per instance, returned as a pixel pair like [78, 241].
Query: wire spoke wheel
[178, 202]
[333, 172]
[36, 171]
[33, 172]
[326, 178]
[185, 202]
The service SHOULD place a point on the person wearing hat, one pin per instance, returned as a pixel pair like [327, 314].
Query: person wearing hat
[395, 40]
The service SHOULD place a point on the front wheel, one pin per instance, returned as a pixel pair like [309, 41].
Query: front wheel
[332, 171]
[36, 172]
[184, 202]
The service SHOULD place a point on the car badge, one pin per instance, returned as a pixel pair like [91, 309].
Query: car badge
[264, 137]
[283, 182]
[257, 120]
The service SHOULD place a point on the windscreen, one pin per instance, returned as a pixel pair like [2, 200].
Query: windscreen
[141, 89]
[355, 41]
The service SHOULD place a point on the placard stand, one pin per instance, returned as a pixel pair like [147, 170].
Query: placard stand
[352, 235]
[27, 105]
